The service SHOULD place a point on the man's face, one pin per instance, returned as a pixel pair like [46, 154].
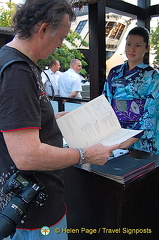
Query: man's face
[55, 67]
[77, 66]
[51, 41]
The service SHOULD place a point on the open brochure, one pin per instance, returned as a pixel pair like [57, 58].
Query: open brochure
[93, 122]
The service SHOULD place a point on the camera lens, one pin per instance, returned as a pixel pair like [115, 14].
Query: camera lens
[11, 216]
[28, 194]
[7, 226]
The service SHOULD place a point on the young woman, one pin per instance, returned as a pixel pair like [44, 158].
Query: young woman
[30, 140]
[133, 91]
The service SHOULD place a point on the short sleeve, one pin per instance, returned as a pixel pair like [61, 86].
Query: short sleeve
[76, 85]
[19, 101]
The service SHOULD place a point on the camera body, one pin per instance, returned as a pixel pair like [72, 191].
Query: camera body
[27, 195]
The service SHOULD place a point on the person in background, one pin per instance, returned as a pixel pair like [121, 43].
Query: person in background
[133, 91]
[69, 84]
[50, 78]
[30, 140]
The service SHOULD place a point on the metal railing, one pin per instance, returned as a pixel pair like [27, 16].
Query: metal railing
[61, 102]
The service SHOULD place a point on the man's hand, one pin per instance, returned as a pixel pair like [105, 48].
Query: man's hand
[98, 154]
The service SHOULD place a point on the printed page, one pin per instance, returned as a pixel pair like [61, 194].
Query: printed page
[119, 136]
[90, 123]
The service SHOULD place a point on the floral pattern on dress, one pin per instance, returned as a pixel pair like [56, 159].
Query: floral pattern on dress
[140, 83]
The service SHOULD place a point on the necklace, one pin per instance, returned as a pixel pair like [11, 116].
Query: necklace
[31, 56]
[16, 47]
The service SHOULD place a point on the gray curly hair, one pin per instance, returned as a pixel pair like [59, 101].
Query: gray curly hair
[46, 11]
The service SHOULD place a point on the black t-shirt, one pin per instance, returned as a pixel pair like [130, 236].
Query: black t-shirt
[25, 105]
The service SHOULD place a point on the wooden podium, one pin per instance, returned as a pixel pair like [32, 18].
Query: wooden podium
[103, 209]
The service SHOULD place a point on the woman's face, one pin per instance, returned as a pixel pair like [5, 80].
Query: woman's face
[135, 49]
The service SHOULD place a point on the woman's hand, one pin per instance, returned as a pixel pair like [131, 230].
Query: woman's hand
[60, 114]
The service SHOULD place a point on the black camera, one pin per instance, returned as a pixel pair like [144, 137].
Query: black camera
[27, 195]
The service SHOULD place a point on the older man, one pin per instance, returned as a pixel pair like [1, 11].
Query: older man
[30, 140]
[69, 84]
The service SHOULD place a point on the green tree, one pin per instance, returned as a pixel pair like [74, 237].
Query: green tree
[6, 15]
[154, 41]
[65, 54]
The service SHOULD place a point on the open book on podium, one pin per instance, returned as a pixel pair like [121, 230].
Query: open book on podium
[93, 122]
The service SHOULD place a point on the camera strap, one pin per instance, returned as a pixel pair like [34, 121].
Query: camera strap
[10, 62]
[52, 89]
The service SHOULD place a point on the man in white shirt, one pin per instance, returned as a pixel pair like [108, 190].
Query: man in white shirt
[50, 78]
[69, 84]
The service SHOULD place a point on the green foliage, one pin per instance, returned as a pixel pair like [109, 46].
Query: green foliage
[154, 41]
[6, 15]
[65, 54]
[72, 36]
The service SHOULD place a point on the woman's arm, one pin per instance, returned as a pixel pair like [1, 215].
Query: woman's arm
[126, 144]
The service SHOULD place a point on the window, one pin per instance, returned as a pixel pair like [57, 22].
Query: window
[117, 31]
[109, 26]
[80, 26]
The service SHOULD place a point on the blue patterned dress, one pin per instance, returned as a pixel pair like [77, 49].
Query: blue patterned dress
[134, 96]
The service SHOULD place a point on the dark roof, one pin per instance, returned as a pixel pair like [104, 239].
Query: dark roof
[6, 31]
[81, 3]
